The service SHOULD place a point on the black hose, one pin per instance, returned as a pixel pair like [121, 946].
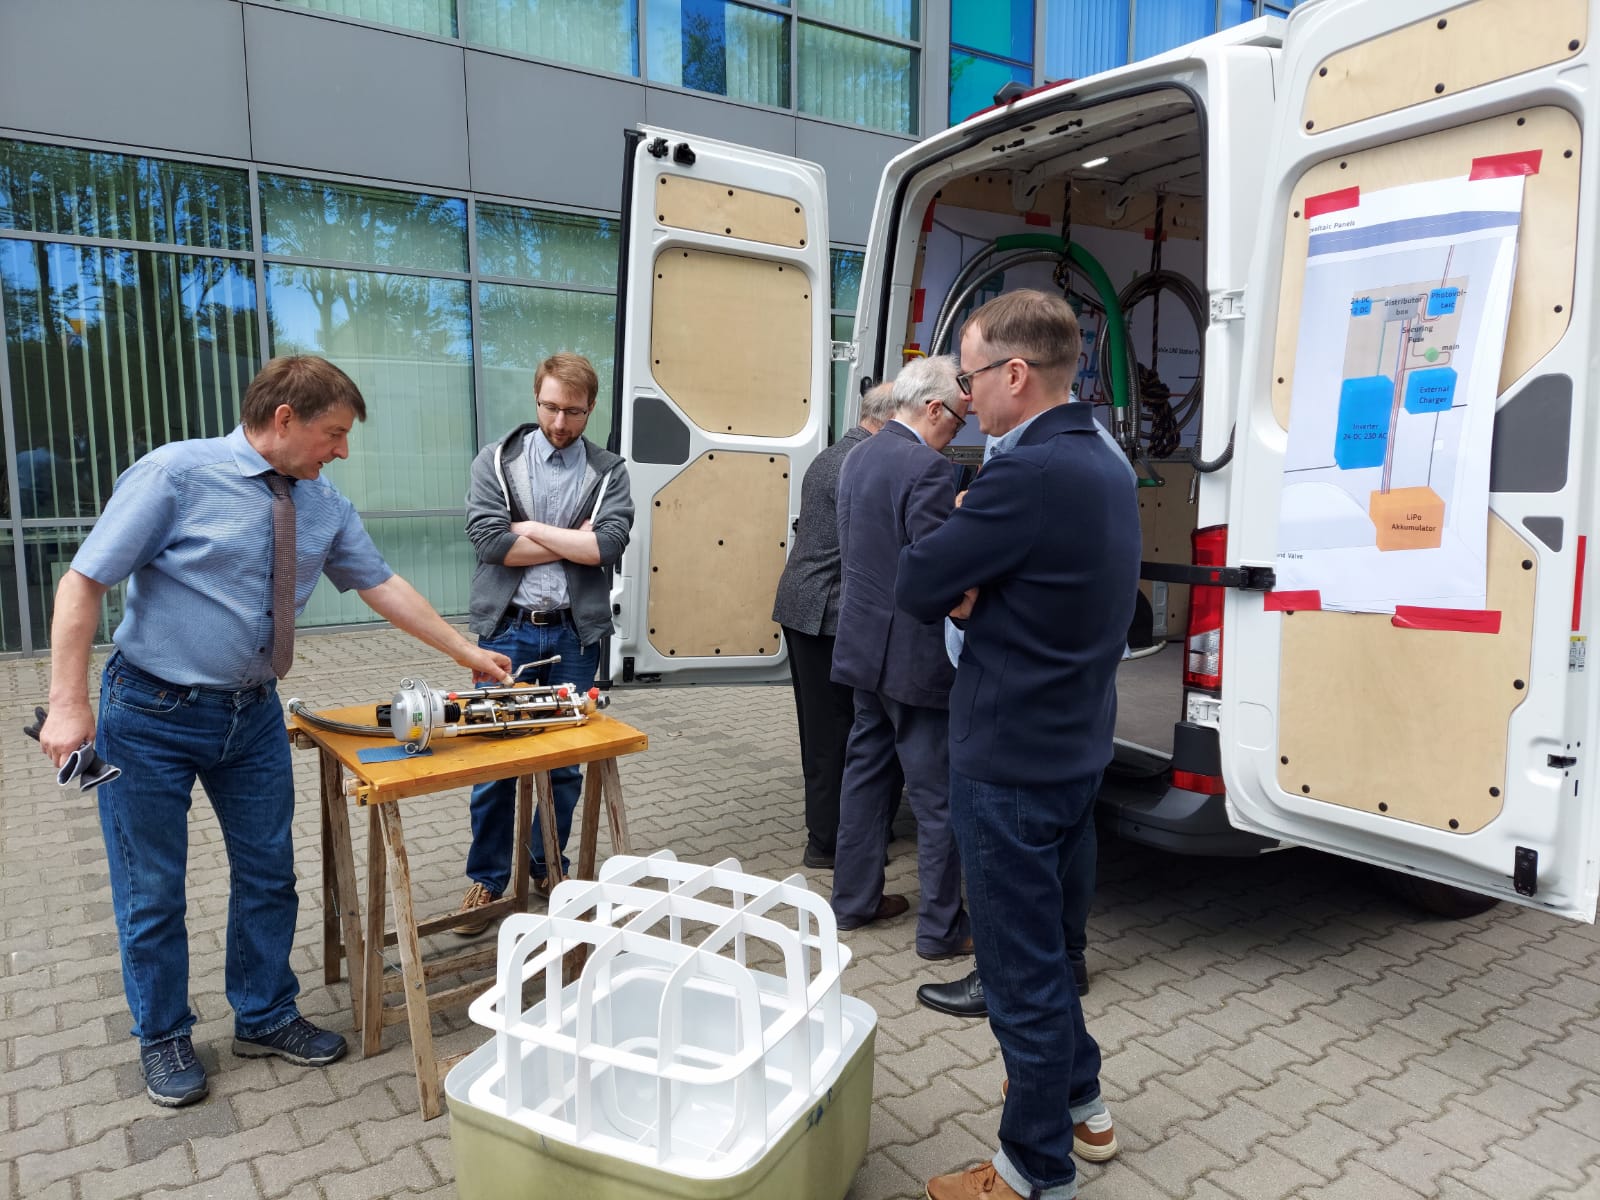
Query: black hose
[1207, 466]
[298, 708]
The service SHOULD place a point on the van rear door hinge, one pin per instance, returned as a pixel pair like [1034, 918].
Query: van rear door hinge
[1227, 306]
[842, 352]
[1525, 871]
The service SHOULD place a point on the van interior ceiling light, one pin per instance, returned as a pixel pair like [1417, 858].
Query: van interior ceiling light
[1096, 162]
[419, 713]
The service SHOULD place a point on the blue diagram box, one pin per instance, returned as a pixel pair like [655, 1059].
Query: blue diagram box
[1431, 390]
[1362, 307]
[1363, 433]
[1442, 301]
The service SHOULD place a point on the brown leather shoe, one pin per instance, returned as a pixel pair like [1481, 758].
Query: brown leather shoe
[889, 907]
[1094, 1140]
[962, 949]
[477, 897]
[975, 1183]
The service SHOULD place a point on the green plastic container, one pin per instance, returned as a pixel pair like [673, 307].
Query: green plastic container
[815, 1158]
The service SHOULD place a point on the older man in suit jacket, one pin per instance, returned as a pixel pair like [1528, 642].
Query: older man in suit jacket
[807, 607]
[893, 490]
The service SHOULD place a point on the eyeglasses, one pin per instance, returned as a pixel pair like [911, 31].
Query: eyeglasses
[572, 414]
[964, 378]
[960, 420]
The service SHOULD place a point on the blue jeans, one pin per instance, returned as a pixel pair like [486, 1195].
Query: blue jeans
[494, 805]
[1022, 852]
[164, 736]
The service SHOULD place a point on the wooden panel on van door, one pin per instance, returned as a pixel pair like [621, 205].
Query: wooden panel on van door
[1167, 516]
[719, 534]
[708, 207]
[1462, 48]
[753, 375]
[1408, 723]
[1541, 297]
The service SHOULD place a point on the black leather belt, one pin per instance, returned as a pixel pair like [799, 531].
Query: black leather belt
[534, 616]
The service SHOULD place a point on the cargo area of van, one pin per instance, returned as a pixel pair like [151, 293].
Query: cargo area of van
[1105, 205]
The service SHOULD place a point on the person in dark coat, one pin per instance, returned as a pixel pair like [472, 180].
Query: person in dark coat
[1042, 562]
[807, 607]
[893, 490]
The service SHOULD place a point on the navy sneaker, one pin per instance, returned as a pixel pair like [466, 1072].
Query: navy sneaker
[173, 1076]
[299, 1042]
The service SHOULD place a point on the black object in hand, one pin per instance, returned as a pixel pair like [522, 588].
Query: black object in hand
[83, 764]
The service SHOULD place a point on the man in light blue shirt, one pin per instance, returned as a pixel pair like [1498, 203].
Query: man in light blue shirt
[191, 692]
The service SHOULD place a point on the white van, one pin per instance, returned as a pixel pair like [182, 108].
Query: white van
[1168, 199]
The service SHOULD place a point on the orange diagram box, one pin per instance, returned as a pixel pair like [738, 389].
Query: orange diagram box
[1408, 518]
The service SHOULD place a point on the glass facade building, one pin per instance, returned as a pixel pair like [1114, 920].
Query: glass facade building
[423, 191]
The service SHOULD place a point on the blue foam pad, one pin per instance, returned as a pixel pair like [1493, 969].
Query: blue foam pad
[388, 754]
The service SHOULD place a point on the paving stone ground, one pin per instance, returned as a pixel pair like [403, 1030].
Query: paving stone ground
[1274, 1028]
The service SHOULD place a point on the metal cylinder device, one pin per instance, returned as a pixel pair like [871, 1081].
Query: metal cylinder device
[419, 713]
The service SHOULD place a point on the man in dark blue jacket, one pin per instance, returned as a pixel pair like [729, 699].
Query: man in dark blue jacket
[893, 489]
[1042, 559]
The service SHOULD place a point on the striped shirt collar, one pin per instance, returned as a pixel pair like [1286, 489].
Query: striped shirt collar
[245, 456]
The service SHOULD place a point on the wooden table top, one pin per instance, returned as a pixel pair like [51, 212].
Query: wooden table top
[471, 759]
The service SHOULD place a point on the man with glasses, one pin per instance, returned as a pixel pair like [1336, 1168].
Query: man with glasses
[1042, 562]
[895, 488]
[548, 513]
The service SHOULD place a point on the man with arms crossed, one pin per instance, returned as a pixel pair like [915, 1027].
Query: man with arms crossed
[548, 512]
[222, 540]
[1043, 560]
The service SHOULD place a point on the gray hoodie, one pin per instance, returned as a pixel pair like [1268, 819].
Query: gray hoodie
[500, 493]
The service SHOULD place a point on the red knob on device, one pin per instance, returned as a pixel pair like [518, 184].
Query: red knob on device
[450, 696]
[594, 693]
[563, 691]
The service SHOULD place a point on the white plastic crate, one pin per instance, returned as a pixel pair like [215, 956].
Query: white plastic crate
[670, 1051]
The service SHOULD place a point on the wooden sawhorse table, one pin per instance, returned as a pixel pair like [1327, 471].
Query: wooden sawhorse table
[379, 787]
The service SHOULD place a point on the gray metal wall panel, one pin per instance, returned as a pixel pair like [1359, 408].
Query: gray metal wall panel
[542, 133]
[167, 74]
[721, 120]
[854, 160]
[331, 96]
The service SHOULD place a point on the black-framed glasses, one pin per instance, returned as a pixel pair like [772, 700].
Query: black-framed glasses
[960, 420]
[572, 414]
[964, 378]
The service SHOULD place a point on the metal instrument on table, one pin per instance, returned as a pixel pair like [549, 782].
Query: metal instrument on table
[420, 713]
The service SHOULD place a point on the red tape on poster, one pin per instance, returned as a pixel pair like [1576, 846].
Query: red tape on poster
[1503, 166]
[1448, 620]
[1309, 601]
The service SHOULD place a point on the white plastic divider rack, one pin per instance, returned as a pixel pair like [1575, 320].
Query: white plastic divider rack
[670, 1051]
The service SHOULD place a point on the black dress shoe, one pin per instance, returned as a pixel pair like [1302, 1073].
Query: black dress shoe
[963, 998]
[817, 860]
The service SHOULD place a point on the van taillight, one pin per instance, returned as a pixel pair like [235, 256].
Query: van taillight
[1203, 666]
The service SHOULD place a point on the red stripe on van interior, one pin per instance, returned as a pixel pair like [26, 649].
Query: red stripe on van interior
[1449, 620]
[918, 299]
[1037, 219]
[1332, 201]
[927, 218]
[1577, 583]
[1502, 166]
[1310, 601]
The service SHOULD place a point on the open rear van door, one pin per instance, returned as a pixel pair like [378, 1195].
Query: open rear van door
[1449, 738]
[722, 403]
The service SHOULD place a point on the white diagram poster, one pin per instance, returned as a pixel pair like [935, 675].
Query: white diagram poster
[1386, 477]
